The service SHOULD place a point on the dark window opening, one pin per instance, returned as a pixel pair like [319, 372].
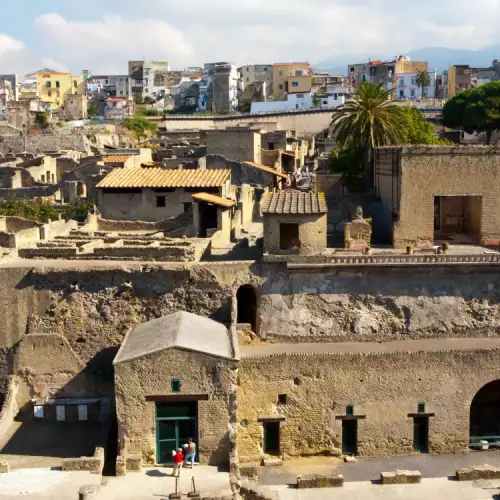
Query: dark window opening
[246, 302]
[188, 206]
[161, 202]
[121, 190]
[289, 236]
[271, 438]
[421, 407]
[175, 385]
[421, 434]
[282, 399]
[349, 437]
[349, 410]
[271, 146]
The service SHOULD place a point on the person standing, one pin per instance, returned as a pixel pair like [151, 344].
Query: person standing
[190, 452]
[178, 461]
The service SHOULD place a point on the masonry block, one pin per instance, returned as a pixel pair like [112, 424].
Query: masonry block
[88, 491]
[90, 464]
[121, 468]
[478, 472]
[4, 466]
[134, 463]
[318, 481]
[401, 477]
[249, 470]
[273, 462]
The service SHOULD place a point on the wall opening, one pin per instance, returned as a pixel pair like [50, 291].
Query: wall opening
[271, 438]
[350, 437]
[289, 236]
[246, 302]
[208, 218]
[457, 219]
[485, 412]
[421, 434]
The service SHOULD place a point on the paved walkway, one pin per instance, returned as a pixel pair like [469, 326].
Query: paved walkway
[367, 469]
[428, 489]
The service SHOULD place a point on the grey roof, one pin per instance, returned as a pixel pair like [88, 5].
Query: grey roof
[182, 330]
[294, 202]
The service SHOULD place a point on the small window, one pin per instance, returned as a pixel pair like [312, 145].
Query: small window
[281, 73]
[265, 69]
[295, 84]
[335, 96]
[326, 102]
[412, 92]
[175, 385]
[281, 86]
[49, 93]
[75, 83]
[270, 145]
[352, 69]
[282, 399]
[160, 201]
[421, 407]
[57, 85]
[300, 96]
[48, 85]
[349, 410]
[272, 438]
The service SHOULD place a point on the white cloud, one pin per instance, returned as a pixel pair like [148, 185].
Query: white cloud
[106, 45]
[15, 57]
[9, 45]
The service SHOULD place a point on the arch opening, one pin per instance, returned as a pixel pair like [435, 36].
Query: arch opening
[485, 411]
[246, 303]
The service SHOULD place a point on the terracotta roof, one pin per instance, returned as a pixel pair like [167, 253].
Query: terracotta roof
[294, 202]
[116, 99]
[214, 200]
[116, 159]
[266, 169]
[159, 177]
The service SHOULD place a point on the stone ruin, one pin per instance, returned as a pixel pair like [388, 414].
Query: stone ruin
[358, 233]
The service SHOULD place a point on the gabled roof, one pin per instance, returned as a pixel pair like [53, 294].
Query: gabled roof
[181, 330]
[294, 202]
[214, 200]
[116, 159]
[163, 178]
[44, 70]
[265, 168]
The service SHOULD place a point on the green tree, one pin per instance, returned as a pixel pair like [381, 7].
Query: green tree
[34, 210]
[475, 110]
[414, 130]
[369, 120]
[42, 119]
[92, 110]
[138, 99]
[423, 80]
[140, 126]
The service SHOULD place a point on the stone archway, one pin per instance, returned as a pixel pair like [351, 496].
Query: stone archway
[246, 306]
[485, 411]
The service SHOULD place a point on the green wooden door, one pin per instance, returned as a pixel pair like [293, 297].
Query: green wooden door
[421, 434]
[175, 423]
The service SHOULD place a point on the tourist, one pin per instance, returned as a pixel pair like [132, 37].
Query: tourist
[178, 461]
[190, 448]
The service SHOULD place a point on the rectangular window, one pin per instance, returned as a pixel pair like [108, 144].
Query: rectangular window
[175, 385]
[281, 86]
[265, 69]
[160, 202]
[82, 412]
[271, 438]
[349, 410]
[60, 413]
[289, 236]
[49, 93]
[75, 83]
[299, 72]
[412, 92]
[335, 96]
[281, 73]
[48, 85]
[270, 145]
[299, 96]
[421, 407]
[282, 399]
[38, 411]
[413, 80]
[57, 85]
[295, 84]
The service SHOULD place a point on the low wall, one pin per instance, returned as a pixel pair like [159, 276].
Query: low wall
[55, 252]
[169, 254]
[15, 224]
[94, 464]
[31, 192]
[125, 225]
[57, 228]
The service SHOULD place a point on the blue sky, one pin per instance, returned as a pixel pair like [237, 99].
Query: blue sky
[102, 35]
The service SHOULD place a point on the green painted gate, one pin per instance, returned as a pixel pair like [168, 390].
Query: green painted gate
[175, 423]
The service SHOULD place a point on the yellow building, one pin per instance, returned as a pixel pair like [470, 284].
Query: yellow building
[291, 77]
[55, 87]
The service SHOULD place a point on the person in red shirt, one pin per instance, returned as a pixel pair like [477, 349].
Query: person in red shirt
[178, 461]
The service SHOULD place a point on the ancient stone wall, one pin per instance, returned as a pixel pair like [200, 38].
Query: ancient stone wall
[151, 375]
[385, 387]
[15, 144]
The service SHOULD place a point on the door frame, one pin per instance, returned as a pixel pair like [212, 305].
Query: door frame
[177, 444]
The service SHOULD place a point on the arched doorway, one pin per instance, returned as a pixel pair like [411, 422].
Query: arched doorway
[485, 411]
[246, 303]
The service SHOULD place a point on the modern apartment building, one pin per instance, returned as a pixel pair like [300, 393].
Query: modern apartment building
[463, 77]
[55, 87]
[291, 77]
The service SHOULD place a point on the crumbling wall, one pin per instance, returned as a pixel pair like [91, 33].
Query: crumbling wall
[37, 143]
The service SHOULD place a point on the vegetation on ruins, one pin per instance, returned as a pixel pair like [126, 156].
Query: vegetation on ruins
[42, 210]
[372, 120]
[476, 110]
[140, 126]
[42, 119]
[92, 110]
[423, 80]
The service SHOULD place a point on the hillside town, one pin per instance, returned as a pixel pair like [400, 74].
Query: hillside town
[253, 282]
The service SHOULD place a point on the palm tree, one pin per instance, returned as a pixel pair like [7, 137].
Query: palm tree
[369, 120]
[423, 80]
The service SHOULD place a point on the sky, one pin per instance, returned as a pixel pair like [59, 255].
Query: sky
[102, 35]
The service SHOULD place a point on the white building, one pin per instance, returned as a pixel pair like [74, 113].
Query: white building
[407, 88]
[301, 101]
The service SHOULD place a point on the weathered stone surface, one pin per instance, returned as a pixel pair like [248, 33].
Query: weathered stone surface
[134, 463]
[478, 472]
[4, 466]
[88, 491]
[90, 464]
[401, 477]
[250, 490]
[121, 468]
[273, 462]
[349, 459]
[249, 469]
[319, 481]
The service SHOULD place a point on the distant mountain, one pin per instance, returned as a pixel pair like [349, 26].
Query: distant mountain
[439, 58]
